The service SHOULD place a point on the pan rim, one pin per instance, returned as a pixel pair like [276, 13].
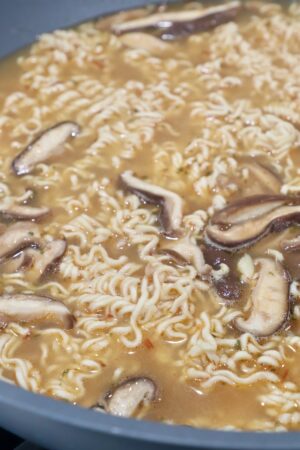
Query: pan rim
[142, 430]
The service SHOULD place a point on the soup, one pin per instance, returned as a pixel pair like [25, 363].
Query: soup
[149, 246]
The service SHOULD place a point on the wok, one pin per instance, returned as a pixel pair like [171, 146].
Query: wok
[55, 424]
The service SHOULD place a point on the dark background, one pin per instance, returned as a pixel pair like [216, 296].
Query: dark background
[8, 441]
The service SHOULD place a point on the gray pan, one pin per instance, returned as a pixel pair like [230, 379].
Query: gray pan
[56, 425]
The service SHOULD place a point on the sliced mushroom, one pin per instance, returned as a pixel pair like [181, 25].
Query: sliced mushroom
[49, 143]
[185, 250]
[17, 237]
[47, 259]
[128, 396]
[20, 261]
[292, 264]
[254, 177]
[13, 264]
[291, 245]
[246, 221]
[34, 309]
[144, 41]
[270, 300]
[249, 207]
[291, 251]
[171, 204]
[228, 286]
[23, 212]
[268, 181]
[176, 24]
[106, 23]
[215, 256]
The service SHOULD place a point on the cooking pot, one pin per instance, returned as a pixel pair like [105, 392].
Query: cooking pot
[54, 424]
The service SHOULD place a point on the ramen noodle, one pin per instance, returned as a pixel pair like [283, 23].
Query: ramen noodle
[150, 212]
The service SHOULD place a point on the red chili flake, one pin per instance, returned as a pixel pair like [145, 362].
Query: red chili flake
[99, 64]
[148, 344]
[285, 374]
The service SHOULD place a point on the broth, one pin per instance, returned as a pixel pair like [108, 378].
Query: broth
[213, 117]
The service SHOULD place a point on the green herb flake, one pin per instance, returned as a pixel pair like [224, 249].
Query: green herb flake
[237, 345]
